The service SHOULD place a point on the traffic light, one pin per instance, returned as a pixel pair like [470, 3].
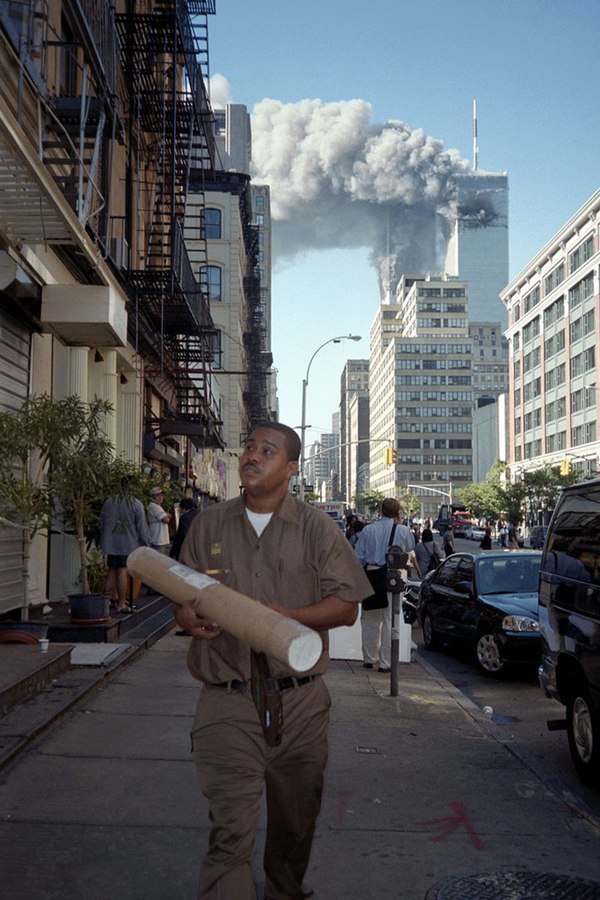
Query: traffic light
[565, 467]
[390, 456]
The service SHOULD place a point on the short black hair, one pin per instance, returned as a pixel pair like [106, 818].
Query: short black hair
[187, 503]
[293, 444]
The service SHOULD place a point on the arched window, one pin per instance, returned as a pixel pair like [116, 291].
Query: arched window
[210, 224]
[211, 281]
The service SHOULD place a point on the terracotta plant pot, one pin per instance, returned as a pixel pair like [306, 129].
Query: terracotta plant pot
[22, 632]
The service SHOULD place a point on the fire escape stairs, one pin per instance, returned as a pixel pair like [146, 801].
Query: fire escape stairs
[172, 321]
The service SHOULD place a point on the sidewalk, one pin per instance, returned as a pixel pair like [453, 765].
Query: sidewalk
[421, 796]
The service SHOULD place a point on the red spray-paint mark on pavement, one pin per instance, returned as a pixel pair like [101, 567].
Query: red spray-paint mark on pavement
[460, 818]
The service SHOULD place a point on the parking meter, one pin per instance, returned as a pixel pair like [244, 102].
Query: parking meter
[396, 561]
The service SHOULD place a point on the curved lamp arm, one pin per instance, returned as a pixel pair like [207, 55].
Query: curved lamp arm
[304, 426]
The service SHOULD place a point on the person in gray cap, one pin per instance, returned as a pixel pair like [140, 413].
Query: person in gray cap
[158, 521]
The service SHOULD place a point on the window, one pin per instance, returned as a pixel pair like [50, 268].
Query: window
[554, 312]
[556, 277]
[211, 281]
[19, 13]
[589, 359]
[581, 291]
[554, 344]
[582, 253]
[210, 224]
[68, 61]
[531, 299]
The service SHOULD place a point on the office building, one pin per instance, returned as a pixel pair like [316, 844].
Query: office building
[477, 248]
[490, 360]
[354, 425]
[421, 392]
[553, 336]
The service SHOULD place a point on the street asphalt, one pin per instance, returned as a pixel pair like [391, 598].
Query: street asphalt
[425, 798]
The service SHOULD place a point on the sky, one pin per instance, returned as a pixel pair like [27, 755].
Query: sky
[530, 64]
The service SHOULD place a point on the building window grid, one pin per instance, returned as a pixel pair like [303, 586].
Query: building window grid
[581, 254]
[554, 278]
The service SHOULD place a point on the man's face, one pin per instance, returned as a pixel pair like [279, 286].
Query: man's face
[264, 464]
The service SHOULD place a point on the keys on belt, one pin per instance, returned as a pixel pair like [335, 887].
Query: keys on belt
[284, 684]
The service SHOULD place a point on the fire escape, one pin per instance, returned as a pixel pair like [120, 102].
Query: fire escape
[170, 122]
[259, 360]
[67, 108]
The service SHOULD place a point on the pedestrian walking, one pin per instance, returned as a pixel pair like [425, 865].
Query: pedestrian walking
[371, 550]
[291, 556]
[448, 542]
[486, 540]
[123, 528]
[427, 552]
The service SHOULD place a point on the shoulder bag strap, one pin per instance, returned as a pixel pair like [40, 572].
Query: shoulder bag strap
[392, 535]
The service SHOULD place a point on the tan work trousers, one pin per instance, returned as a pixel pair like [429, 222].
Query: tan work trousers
[235, 765]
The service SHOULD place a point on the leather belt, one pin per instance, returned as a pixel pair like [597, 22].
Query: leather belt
[284, 684]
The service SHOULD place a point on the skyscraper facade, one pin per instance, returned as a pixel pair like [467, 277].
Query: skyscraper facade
[554, 335]
[354, 425]
[477, 249]
[421, 393]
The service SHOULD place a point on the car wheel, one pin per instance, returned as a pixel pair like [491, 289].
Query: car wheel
[583, 729]
[487, 654]
[430, 638]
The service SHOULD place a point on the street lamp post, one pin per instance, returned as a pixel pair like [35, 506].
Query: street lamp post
[304, 426]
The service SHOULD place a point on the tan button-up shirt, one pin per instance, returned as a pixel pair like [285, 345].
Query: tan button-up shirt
[300, 558]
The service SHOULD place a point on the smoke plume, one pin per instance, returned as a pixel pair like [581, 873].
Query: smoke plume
[339, 181]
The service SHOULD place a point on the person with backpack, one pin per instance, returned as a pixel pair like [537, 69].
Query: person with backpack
[427, 553]
[371, 550]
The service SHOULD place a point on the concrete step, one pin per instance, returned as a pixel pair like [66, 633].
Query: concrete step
[38, 689]
[25, 672]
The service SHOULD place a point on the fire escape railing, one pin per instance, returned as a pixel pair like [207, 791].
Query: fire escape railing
[172, 321]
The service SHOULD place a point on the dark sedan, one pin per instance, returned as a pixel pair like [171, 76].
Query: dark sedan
[485, 602]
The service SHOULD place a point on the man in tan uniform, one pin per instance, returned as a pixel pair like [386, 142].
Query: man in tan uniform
[293, 557]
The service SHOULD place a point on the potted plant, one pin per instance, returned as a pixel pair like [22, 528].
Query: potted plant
[80, 475]
[26, 439]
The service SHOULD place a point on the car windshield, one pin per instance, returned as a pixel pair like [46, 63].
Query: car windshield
[508, 574]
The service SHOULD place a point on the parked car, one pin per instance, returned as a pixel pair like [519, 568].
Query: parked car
[487, 603]
[537, 536]
[474, 533]
[569, 612]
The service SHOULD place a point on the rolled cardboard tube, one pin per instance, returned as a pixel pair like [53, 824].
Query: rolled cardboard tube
[260, 627]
